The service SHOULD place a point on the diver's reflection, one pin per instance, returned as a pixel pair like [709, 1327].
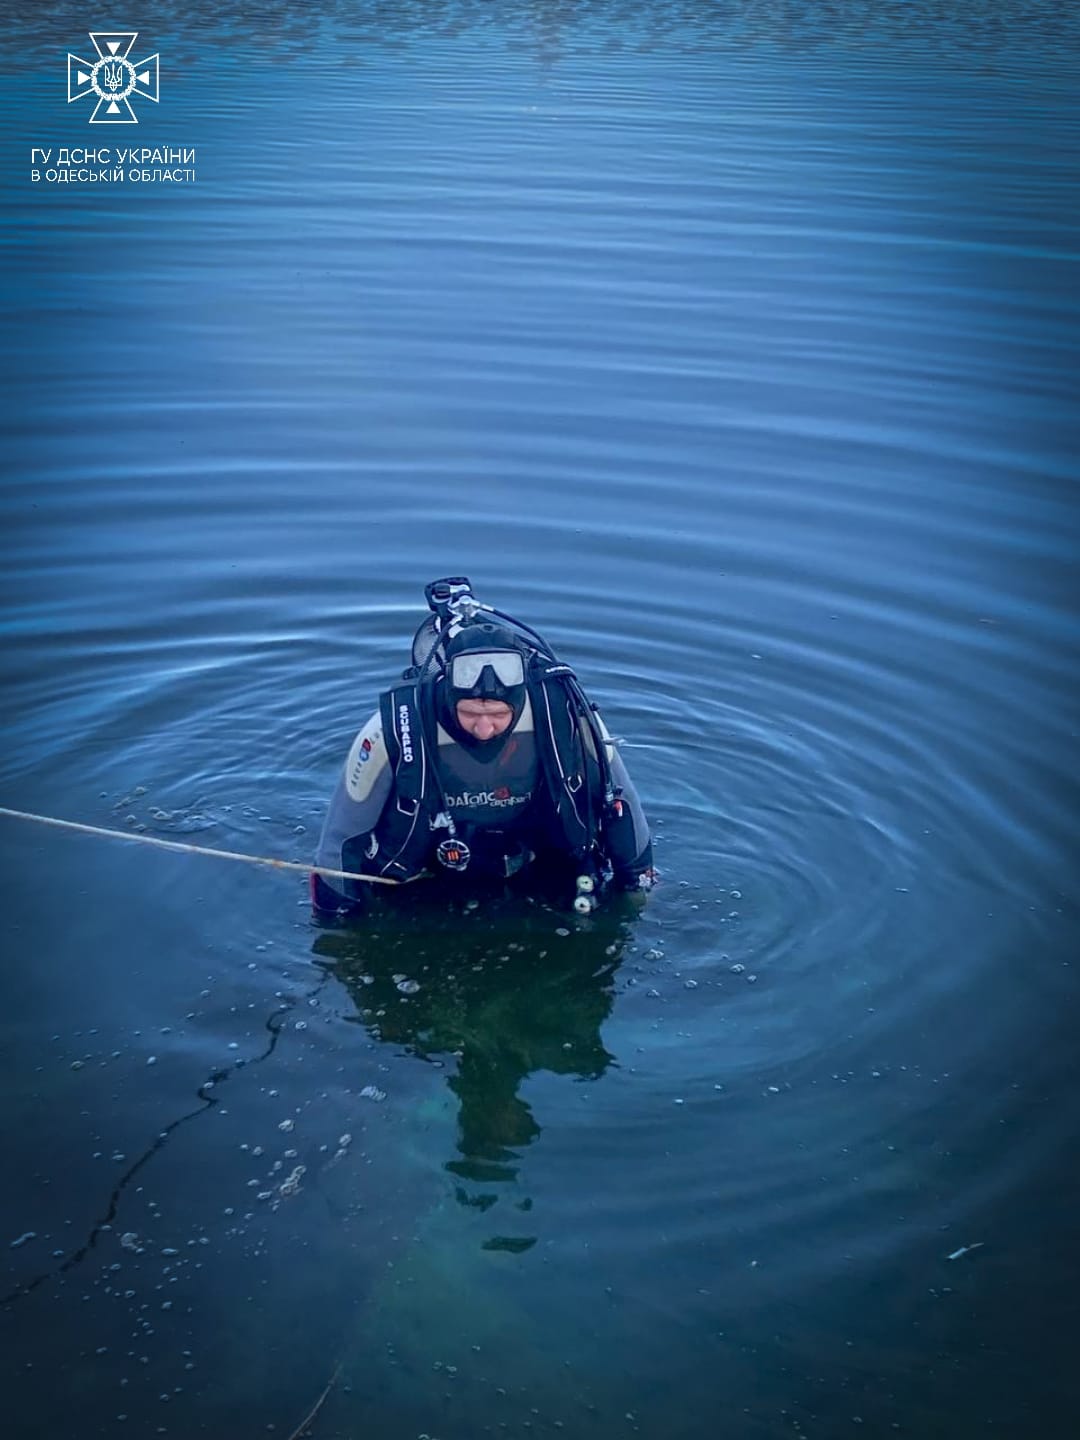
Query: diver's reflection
[507, 995]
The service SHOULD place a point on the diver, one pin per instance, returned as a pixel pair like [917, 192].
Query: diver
[487, 760]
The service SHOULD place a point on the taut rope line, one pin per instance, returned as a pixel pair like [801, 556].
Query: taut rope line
[198, 849]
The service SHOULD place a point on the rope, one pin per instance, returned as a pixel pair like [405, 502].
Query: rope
[198, 849]
[310, 1416]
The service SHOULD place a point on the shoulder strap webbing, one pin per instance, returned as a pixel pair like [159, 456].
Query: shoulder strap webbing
[403, 831]
[570, 775]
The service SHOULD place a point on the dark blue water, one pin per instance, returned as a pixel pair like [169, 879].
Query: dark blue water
[736, 348]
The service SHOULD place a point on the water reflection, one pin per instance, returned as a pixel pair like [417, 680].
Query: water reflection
[520, 988]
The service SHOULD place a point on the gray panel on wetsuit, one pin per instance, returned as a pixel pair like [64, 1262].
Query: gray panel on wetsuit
[360, 795]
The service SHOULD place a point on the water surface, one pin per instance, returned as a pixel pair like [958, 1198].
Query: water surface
[735, 348]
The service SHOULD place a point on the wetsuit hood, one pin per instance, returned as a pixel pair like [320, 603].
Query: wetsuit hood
[483, 661]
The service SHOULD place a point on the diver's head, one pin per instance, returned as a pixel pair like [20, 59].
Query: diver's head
[483, 690]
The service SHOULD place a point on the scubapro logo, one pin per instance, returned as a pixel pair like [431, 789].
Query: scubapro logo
[112, 77]
[406, 734]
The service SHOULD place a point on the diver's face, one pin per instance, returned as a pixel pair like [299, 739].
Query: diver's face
[483, 719]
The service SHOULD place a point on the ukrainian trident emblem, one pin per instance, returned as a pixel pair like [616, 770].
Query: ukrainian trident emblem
[112, 77]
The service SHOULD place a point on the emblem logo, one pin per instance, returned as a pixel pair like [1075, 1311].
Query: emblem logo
[112, 77]
[454, 854]
[500, 799]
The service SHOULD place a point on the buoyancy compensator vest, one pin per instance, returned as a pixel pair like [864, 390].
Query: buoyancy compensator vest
[566, 811]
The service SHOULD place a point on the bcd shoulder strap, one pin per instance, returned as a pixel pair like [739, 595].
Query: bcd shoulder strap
[570, 774]
[403, 830]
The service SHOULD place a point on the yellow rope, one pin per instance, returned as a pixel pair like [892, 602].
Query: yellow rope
[199, 849]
